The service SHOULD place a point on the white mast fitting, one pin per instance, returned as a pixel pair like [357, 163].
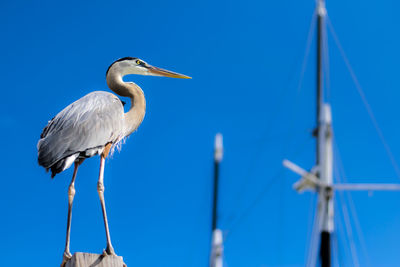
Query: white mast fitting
[217, 249]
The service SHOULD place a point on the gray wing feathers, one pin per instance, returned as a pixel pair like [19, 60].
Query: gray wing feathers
[91, 122]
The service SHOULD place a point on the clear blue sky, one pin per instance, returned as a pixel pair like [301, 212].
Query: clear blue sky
[245, 58]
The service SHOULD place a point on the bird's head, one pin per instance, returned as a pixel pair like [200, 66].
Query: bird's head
[132, 65]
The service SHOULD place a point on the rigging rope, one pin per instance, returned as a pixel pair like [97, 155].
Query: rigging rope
[349, 231]
[335, 249]
[259, 197]
[313, 248]
[310, 230]
[340, 229]
[340, 168]
[338, 163]
[307, 51]
[364, 99]
[291, 126]
[255, 202]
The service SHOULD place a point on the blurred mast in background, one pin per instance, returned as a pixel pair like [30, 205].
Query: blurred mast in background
[320, 178]
[324, 147]
[217, 239]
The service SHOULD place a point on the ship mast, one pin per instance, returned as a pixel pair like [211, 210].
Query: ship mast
[216, 255]
[320, 177]
[324, 149]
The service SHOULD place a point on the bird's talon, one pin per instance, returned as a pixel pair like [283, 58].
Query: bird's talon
[109, 252]
[66, 257]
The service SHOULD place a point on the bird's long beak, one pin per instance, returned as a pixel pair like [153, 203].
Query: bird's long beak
[166, 73]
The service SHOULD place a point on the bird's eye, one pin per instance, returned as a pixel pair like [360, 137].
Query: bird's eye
[138, 62]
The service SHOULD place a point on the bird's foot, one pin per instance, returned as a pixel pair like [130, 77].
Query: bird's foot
[66, 257]
[109, 251]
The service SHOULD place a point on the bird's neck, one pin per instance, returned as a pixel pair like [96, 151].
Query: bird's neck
[135, 115]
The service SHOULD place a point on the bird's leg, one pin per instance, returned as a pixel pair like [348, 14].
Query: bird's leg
[71, 193]
[100, 189]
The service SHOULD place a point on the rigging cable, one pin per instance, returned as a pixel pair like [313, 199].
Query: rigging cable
[346, 217]
[255, 202]
[340, 229]
[307, 51]
[314, 237]
[364, 99]
[310, 230]
[313, 248]
[349, 232]
[353, 211]
[358, 227]
[260, 195]
[291, 123]
[335, 249]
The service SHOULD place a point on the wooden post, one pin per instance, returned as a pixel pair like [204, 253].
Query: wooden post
[81, 259]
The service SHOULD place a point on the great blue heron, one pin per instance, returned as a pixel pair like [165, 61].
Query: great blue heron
[93, 125]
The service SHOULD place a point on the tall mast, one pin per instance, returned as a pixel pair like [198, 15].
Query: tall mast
[218, 153]
[217, 240]
[324, 148]
[320, 177]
